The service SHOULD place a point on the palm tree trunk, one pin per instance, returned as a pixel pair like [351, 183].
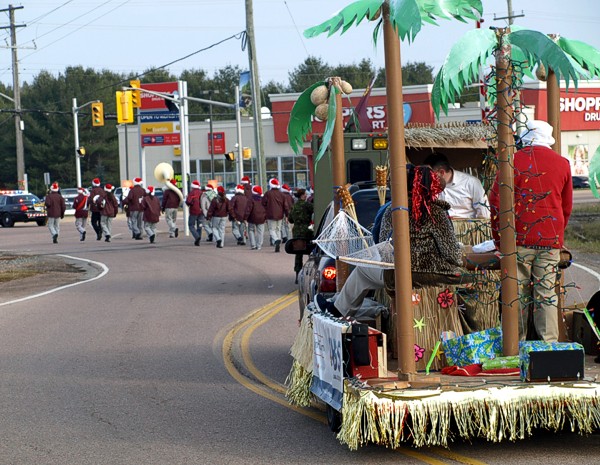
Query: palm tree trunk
[405, 337]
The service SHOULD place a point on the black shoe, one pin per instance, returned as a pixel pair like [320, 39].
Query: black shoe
[197, 242]
[210, 238]
[241, 242]
[138, 237]
[152, 238]
[176, 232]
[82, 236]
[107, 239]
[597, 359]
[55, 239]
[326, 306]
[283, 240]
[133, 235]
[219, 244]
[98, 236]
[277, 245]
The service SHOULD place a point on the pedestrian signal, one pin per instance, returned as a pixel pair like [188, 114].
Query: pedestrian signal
[136, 97]
[97, 114]
[124, 107]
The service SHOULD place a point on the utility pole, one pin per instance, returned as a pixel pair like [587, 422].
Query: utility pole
[511, 14]
[17, 96]
[258, 132]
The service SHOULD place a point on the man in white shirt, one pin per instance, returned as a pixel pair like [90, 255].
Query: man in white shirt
[463, 192]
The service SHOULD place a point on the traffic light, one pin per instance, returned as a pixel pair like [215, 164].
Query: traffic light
[230, 156]
[247, 153]
[136, 97]
[81, 151]
[97, 114]
[124, 107]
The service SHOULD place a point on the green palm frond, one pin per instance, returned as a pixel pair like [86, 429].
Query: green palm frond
[331, 114]
[541, 49]
[462, 10]
[406, 18]
[594, 172]
[300, 123]
[461, 67]
[586, 55]
[352, 14]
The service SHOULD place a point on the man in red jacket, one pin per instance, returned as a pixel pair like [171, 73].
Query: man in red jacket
[151, 213]
[276, 209]
[543, 200]
[55, 210]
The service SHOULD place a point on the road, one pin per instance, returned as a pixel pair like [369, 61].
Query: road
[178, 355]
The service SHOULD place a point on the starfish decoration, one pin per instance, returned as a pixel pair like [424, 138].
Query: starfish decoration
[419, 324]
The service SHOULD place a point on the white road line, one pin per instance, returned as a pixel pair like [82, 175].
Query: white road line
[587, 270]
[101, 265]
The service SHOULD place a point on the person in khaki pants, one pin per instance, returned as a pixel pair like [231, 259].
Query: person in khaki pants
[55, 210]
[543, 201]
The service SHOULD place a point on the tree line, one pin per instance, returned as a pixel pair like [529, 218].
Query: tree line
[46, 111]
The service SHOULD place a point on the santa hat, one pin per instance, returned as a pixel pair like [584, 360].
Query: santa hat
[81, 190]
[96, 182]
[196, 185]
[239, 189]
[108, 187]
[245, 180]
[220, 190]
[257, 190]
[286, 188]
[210, 185]
[138, 181]
[150, 190]
[274, 184]
[54, 187]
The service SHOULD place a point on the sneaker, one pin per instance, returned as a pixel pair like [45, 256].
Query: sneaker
[138, 237]
[210, 238]
[107, 239]
[277, 246]
[176, 232]
[99, 236]
[55, 239]
[219, 244]
[197, 242]
[253, 248]
[83, 236]
[326, 306]
[152, 238]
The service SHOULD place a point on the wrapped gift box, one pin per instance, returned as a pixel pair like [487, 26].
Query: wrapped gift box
[473, 348]
[512, 361]
[526, 347]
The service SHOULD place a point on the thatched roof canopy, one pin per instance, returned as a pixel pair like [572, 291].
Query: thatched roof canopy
[450, 135]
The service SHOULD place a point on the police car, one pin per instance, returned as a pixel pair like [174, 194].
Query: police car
[21, 206]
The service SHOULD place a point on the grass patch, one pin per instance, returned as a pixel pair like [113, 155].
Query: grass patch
[6, 276]
[583, 231]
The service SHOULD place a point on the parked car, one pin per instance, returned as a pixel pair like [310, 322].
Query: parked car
[318, 275]
[21, 207]
[69, 194]
[581, 182]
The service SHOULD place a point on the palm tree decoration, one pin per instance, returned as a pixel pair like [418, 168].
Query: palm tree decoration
[399, 19]
[517, 51]
[569, 59]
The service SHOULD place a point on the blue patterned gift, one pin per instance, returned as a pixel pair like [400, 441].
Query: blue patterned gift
[525, 347]
[473, 348]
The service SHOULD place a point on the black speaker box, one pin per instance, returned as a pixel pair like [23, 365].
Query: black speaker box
[556, 365]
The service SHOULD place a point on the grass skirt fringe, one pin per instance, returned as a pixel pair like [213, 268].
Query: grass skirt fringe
[495, 414]
[299, 379]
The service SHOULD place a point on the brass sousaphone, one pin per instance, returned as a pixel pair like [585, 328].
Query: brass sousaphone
[164, 173]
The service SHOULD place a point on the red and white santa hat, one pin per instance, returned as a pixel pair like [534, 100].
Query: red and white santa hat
[285, 188]
[54, 187]
[239, 189]
[245, 180]
[138, 181]
[220, 190]
[257, 190]
[96, 182]
[150, 190]
[196, 185]
[274, 184]
[108, 187]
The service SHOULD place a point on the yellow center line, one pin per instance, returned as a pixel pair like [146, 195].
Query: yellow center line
[257, 318]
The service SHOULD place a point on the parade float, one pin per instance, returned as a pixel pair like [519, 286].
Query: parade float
[505, 389]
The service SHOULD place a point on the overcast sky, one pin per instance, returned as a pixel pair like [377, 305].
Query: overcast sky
[135, 35]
